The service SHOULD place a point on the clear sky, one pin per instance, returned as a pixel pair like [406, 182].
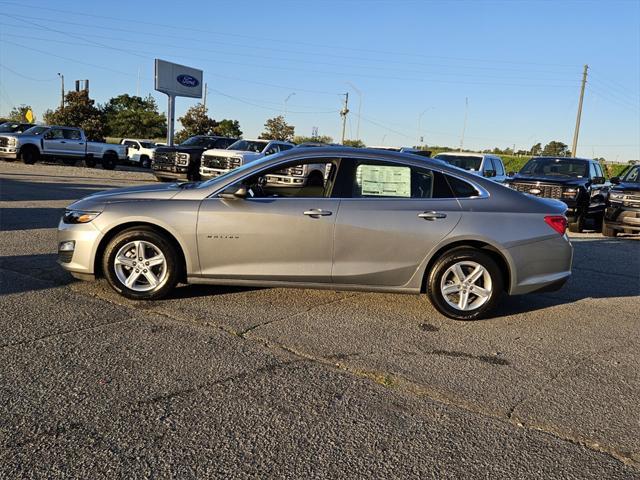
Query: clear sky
[405, 63]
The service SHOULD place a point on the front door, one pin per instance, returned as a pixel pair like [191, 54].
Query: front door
[274, 233]
[53, 142]
[395, 216]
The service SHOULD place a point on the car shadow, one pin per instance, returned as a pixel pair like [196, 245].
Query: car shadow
[29, 218]
[26, 273]
[22, 191]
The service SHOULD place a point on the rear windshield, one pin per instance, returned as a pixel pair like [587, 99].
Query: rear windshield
[465, 162]
[555, 167]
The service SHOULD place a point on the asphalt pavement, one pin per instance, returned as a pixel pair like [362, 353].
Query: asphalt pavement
[227, 382]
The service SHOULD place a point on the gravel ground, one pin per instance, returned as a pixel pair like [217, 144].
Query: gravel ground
[279, 383]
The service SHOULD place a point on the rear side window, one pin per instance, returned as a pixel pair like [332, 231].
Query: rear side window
[460, 188]
[499, 167]
[489, 165]
[71, 134]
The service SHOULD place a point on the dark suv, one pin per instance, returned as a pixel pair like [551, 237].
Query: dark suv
[578, 182]
[623, 205]
[182, 162]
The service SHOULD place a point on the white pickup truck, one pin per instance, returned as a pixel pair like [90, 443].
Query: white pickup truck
[217, 161]
[139, 151]
[66, 143]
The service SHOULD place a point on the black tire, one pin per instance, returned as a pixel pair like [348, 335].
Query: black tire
[164, 179]
[448, 260]
[172, 263]
[109, 161]
[90, 162]
[145, 162]
[29, 154]
[608, 231]
[578, 225]
[69, 161]
[315, 179]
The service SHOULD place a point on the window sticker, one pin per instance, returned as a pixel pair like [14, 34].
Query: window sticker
[384, 181]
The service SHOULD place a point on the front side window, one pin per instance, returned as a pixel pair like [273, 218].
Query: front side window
[498, 165]
[633, 175]
[255, 146]
[466, 162]
[489, 165]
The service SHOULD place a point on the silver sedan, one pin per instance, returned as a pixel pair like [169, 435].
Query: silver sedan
[380, 221]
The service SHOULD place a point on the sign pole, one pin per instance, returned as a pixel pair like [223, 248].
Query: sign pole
[170, 118]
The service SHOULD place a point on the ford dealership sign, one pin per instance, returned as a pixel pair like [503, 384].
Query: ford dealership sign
[178, 80]
[188, 81]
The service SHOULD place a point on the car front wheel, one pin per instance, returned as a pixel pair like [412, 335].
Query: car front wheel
[141, 264]
[465, 284]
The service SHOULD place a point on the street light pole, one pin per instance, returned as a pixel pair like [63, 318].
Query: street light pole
[420, 122]
[61, 91]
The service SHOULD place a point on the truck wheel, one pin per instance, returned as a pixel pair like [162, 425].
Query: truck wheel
[608, 231]
[109, 161]
[30, 155]
[145, 162]
[90, 162]
[578, 225]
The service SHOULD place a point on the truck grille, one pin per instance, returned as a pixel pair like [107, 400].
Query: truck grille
[4, 141]
[164, 160]
[223, 163]
[547, 191]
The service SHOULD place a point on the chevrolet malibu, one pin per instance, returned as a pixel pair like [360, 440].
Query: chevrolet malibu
[380, 221]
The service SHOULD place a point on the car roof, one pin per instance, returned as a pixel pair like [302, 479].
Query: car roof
[467, 154]
[563, 158]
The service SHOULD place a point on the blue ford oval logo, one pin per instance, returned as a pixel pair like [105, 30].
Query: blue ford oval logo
[187, 80]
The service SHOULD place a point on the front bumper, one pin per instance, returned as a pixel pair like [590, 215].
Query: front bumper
[79, 261]
[179, 173]
[207, 172]
[9, 152]
[540, 266]
[623, 217]
[286, 181]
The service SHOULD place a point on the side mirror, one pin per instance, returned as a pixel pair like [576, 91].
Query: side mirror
[511, 174]
[598, 180]
[135, 147]
[234, 192]
[615, 180]
[489, 173]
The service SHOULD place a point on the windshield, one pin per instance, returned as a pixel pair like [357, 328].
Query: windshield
[36, 130]
[554, 167]
[465, 162]
[196, 142]
[148, 145]
[9, 127]
[249, 145]
[633, 175]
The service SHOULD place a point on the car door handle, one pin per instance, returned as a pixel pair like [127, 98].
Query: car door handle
[432, 215]
[317, 212]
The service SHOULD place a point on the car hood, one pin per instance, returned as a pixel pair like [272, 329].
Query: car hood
[626, 186]
[568, 181]
[98, 201]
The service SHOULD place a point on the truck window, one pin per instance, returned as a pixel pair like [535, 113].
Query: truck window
[71, 134]
[499, 167]
[54, 134]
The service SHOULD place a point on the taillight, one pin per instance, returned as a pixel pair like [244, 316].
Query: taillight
[557, 222]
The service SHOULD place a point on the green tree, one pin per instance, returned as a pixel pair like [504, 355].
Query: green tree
[19, 114]
[195, 121]
[277, 129]
[131, 116]
[556, 149]
[319, 139]
[79, 111]
[536, 149]
[228, 128]
[354, 143]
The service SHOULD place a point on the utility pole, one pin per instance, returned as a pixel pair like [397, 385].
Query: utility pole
[464, 126]
[204, 98]
[574, 146]
[61, 91]
[359, 108]
[343, 114]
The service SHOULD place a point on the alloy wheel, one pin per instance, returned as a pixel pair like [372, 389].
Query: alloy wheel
[466, 285]
[140, 266]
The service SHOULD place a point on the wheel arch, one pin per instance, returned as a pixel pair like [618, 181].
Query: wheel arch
[110, 234]
[492, 250]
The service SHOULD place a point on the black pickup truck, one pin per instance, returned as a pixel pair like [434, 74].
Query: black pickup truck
[182, 162]
[578, 182]
[623, 204]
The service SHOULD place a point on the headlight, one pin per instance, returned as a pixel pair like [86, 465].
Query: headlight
[616, 197]
[570, 192]
[182, 159]
[13, 141]
[78, 216]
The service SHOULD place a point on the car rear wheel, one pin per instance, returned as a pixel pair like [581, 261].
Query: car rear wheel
[465, 284]
[608, 231]
[141, 264]
[145, 162]
[109, 161]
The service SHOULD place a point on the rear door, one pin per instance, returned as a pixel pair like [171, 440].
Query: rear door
[73, 143]
[391, 215]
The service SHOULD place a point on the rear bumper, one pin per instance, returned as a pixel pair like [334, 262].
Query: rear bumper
[540, 266]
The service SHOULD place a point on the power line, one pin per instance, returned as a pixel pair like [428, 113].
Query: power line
[26, 77]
